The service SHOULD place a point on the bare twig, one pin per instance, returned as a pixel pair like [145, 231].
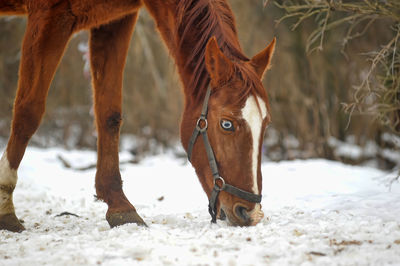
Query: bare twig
[379, 90]
[67, 213]
[68, 165]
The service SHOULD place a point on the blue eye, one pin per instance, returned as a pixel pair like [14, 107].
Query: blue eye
[227, 125]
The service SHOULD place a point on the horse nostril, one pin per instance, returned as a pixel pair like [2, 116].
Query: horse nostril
[222, 215]
[241, 213]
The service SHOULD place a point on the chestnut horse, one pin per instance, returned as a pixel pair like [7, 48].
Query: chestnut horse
[221, 86]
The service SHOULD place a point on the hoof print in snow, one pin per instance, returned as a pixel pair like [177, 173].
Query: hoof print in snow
[121, 218]
[11, 223]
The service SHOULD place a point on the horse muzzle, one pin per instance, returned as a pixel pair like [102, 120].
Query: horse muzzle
[239, 215]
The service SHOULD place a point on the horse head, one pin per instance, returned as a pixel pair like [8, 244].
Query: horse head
[235, 121]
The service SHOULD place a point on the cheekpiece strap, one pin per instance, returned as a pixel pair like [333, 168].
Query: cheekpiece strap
[198, 128]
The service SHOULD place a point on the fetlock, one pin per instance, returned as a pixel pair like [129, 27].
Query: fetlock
[8, 180]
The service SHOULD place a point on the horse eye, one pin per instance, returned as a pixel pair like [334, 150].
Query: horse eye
[227, 125]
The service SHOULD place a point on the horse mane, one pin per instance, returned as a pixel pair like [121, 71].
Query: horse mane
[197, 22]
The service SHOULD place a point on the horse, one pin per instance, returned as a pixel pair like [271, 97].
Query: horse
[225, 101]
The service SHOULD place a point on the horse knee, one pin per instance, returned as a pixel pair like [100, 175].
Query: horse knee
[113, 123]
[26, 119]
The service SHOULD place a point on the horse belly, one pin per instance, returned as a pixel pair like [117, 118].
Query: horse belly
[12, 7]
[93, 13]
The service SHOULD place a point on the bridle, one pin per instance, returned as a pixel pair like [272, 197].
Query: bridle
[201, 128]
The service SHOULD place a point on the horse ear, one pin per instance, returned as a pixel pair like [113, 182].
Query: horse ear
[261, 61]
[218, 65]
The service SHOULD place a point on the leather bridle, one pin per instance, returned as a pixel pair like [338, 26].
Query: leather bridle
[201, 128]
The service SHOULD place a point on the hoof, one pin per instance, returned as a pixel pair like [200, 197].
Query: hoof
[120, 218]
[11, 223]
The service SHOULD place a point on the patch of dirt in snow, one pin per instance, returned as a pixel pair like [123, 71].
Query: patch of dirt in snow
[316, 213]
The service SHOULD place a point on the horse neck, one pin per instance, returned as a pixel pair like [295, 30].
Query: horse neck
[186, 38]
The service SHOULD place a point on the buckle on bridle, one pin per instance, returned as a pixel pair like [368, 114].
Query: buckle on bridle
[198, 126]
[218, 187]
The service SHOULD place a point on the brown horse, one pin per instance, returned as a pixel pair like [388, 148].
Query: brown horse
[201, 36]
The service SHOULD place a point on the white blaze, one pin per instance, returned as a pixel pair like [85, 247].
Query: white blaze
[254, 117]
[8, 179]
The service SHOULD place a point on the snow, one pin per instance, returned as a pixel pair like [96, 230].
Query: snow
[317, 212]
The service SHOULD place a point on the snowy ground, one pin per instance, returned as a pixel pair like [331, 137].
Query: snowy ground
[317, 212]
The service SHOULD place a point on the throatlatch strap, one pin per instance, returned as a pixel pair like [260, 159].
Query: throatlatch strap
[212, 204]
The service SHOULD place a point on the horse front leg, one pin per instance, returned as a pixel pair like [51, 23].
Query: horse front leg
[45, 39]
[108, 50]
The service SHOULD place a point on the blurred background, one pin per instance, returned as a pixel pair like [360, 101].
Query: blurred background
[333, 87]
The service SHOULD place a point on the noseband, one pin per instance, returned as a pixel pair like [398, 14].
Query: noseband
[201, 128]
